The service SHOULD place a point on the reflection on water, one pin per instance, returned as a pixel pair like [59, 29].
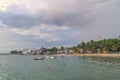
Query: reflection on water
[61, 68]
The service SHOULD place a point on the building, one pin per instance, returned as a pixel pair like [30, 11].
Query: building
[26, 51]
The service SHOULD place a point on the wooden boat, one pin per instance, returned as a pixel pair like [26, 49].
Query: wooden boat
[38, 58]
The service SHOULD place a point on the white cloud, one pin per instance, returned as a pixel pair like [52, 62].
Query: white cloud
[6, 4]
[48, 8]
[38, 31]
[72, 13]
[49, 27]
[54, 20]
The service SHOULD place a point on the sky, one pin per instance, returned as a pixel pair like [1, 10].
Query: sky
[48, 23]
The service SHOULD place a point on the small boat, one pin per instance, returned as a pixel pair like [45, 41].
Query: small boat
[47, 57]
[39, 58]
[53, 57]
[50, 57]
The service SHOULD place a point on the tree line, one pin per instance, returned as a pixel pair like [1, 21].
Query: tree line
[15, 52]
[101, 46]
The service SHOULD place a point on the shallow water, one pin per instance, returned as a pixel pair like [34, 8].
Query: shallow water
[15, 67]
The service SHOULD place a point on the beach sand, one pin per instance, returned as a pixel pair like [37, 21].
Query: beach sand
[91, 55]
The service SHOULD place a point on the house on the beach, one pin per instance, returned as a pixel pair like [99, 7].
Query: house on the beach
[34, 51]
[26, 51]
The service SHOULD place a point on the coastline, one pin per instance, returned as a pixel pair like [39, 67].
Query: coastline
[91, 55]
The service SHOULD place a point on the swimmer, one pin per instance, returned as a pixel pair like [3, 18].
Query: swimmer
[49, 67]
[64, 64]
[113, 62]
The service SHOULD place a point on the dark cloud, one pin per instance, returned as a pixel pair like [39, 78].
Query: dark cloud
[64, 14]
[24, 21]
[89, 18]
[71, 13]
[81, 15]
[18, 20]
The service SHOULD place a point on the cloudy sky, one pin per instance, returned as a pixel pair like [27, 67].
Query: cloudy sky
[48, 23]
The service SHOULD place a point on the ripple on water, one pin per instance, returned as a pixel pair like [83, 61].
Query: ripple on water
[65, 68]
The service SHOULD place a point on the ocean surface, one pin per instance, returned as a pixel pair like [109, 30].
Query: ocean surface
[16, 67]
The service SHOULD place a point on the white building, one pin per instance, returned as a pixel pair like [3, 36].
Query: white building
[26, 51]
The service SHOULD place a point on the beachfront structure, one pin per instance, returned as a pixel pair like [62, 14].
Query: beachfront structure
[34, 51]
[40, 51]
[65, 51]
[26, 51]
[71, 51]
[43, 50]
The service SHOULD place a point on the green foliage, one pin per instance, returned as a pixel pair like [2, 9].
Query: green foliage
[53, 50]
[62, 48]
[109, 45]
[105, 45]
[15, 52]
[19, 52]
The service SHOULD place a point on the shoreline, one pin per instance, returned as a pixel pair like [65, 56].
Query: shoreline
[87, 55]
[91, 55]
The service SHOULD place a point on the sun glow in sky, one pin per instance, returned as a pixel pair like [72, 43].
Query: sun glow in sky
[36, 23]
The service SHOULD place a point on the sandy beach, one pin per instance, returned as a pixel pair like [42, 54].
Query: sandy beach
[92, 55]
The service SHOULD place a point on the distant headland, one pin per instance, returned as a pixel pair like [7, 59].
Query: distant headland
[104, 46]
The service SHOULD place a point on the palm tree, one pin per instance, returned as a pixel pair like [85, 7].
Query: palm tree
[62, 48]
[119, 37]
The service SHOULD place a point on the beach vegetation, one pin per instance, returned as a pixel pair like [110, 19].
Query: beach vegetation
[92, 47]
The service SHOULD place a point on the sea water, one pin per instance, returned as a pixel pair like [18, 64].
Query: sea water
[22, 67]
